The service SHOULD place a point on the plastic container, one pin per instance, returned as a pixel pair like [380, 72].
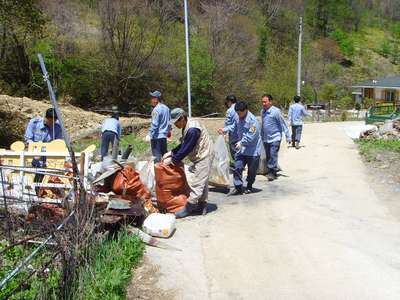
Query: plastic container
[159, 225]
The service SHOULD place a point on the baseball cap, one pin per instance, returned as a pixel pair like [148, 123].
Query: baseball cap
[51, 113]
[156, 94]
[176, 113]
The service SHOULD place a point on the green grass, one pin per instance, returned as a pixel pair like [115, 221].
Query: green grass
[39, 286]
[110, 270]
[141, 148]
[369, 147]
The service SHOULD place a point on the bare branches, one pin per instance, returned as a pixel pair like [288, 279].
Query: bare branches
[270, 8]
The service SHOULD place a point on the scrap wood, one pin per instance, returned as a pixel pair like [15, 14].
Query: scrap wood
[149, 240]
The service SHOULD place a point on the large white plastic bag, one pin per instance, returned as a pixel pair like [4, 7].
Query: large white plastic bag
[147, 175]
[219, 175]
[262, 167]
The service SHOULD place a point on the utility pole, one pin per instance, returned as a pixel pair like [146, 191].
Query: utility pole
[299, 57]
[189, 94]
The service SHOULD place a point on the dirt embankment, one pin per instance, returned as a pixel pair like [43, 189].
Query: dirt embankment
[15, 114]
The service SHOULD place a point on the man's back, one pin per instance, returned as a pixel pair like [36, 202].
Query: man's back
[296, 114]
[112, 124]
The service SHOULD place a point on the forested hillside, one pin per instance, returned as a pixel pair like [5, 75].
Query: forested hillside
[104, 52]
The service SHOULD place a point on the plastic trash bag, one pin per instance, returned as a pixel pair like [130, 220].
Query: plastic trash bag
[171, 187]
[262, 167]
[147, 175]
[219, 174]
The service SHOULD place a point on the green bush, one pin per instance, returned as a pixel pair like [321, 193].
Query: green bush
[386, 49]
[345, 102]
[343, 116]
[345, 42]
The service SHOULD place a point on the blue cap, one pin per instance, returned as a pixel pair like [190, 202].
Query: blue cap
[156, 94]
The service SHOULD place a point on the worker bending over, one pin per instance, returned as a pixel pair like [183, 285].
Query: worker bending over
[272, 126]
[248, 149]
[160, 127]
[196, 146]
[229, 124]
[110, 130]
[296, 113]
[44, 129]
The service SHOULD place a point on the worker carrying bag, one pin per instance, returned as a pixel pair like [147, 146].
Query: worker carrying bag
[172, 190]
[219, 174]
[262, 166]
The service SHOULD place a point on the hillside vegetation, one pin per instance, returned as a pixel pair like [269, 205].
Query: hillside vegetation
[104, 52]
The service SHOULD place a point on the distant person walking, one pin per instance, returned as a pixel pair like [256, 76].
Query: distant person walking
[272, 127]
[110, 130]
[229, 125]
[296, 113]
[160, 127]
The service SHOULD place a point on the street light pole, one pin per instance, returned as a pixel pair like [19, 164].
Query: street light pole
[189, 99]
[299, 57]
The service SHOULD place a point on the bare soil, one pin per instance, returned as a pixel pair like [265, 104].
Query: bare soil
[79, 122]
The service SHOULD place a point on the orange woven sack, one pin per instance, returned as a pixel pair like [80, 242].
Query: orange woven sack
[171, 187]
[127, 183]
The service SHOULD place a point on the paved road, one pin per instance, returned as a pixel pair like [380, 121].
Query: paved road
[319, 232]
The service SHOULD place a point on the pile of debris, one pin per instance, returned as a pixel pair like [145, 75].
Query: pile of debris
[390, 130]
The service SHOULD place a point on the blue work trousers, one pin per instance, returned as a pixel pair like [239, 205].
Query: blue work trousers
[232, 149]
[271, 153]
[296, 133]
[252, 165]
[107, 138]
[158, 148]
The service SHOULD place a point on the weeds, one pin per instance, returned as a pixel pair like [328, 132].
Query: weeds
[369, 147]
[40, 286]
[109, 271]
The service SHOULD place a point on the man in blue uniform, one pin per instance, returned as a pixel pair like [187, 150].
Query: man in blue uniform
[272, 126]
[160, 127]
[229, 125]
[248, 149]
[110, 131]
[44, 129]
[296, 113]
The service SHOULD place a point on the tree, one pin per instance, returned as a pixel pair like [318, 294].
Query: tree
[319, 58]
[21, 24]
[131, 33]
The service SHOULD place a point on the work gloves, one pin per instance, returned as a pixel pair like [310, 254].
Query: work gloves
[238, 146]
[167, 161]
[147, 138]
[167, 158]
[221, 131]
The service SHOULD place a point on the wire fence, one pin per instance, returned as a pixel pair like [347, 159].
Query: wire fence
[71, 237]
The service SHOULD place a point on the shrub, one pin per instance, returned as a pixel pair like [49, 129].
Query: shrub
[343, 116]
[345, 42]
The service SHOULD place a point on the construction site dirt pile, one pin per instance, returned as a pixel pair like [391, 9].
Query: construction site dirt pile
[78, 122]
